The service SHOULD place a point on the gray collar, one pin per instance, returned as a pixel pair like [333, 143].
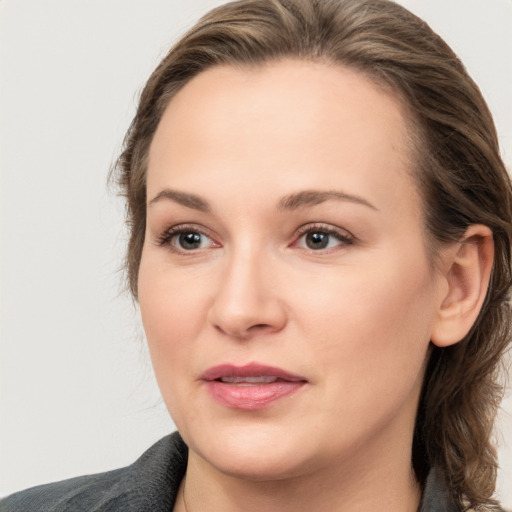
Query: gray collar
[436, 496]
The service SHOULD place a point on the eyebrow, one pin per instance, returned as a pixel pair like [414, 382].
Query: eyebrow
[189, 200]
[313, 197]
[294, 201]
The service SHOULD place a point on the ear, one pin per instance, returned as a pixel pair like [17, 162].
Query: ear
[466, 270]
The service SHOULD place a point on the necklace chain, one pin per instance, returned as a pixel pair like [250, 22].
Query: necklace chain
[183, 494]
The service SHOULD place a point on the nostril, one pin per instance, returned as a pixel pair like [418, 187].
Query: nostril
[260, 327]
[244, 333]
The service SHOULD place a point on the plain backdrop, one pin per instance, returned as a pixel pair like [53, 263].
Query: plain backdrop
[77, 390]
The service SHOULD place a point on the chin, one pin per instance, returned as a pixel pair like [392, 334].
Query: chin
[254, 466]
[258, 453]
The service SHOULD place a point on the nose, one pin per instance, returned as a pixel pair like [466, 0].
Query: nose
[247, 301]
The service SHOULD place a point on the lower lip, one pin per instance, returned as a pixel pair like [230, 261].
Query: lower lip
[251, 397]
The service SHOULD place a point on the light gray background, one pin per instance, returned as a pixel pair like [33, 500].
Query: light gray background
[77, 390]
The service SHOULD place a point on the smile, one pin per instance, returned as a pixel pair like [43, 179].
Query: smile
[250, 387]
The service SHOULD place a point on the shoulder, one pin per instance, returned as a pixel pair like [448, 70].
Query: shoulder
[150, 483]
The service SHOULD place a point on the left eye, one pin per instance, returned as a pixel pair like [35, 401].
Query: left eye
[317, 240]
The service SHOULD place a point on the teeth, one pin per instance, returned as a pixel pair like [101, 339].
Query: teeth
[248, 380]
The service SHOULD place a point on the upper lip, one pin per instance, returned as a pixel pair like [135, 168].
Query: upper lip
[249, 370]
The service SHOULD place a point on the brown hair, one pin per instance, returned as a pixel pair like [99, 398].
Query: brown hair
[459, 173]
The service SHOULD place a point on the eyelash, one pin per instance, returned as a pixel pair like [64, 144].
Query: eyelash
[165, 239]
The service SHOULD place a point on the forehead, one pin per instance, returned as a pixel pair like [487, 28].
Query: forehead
[284, 124]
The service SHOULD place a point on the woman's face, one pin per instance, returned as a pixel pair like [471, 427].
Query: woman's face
[284, 285]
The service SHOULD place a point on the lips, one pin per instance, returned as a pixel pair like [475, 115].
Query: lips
[250, 387]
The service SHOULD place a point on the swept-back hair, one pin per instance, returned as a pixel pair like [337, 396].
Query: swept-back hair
[457, 166]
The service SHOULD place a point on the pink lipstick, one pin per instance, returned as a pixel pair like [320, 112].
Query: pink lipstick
[250, 387]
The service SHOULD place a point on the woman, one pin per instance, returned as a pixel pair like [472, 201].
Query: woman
[320, 246]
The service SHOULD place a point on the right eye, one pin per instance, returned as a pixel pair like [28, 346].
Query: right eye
[190, 241]
[183, 239]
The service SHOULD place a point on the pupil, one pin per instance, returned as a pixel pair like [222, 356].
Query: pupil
[190, 240]
[317, 240]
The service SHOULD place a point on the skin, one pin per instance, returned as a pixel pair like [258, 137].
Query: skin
[355, 319]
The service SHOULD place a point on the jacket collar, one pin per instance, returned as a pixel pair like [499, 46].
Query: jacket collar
[436, 496]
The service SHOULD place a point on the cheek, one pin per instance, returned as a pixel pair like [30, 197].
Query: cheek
[169, 296]
[171, 308]
[172, 305]
[370, 324]
[372, 344]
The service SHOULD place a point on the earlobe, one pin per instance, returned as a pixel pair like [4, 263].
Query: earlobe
[466, 271]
